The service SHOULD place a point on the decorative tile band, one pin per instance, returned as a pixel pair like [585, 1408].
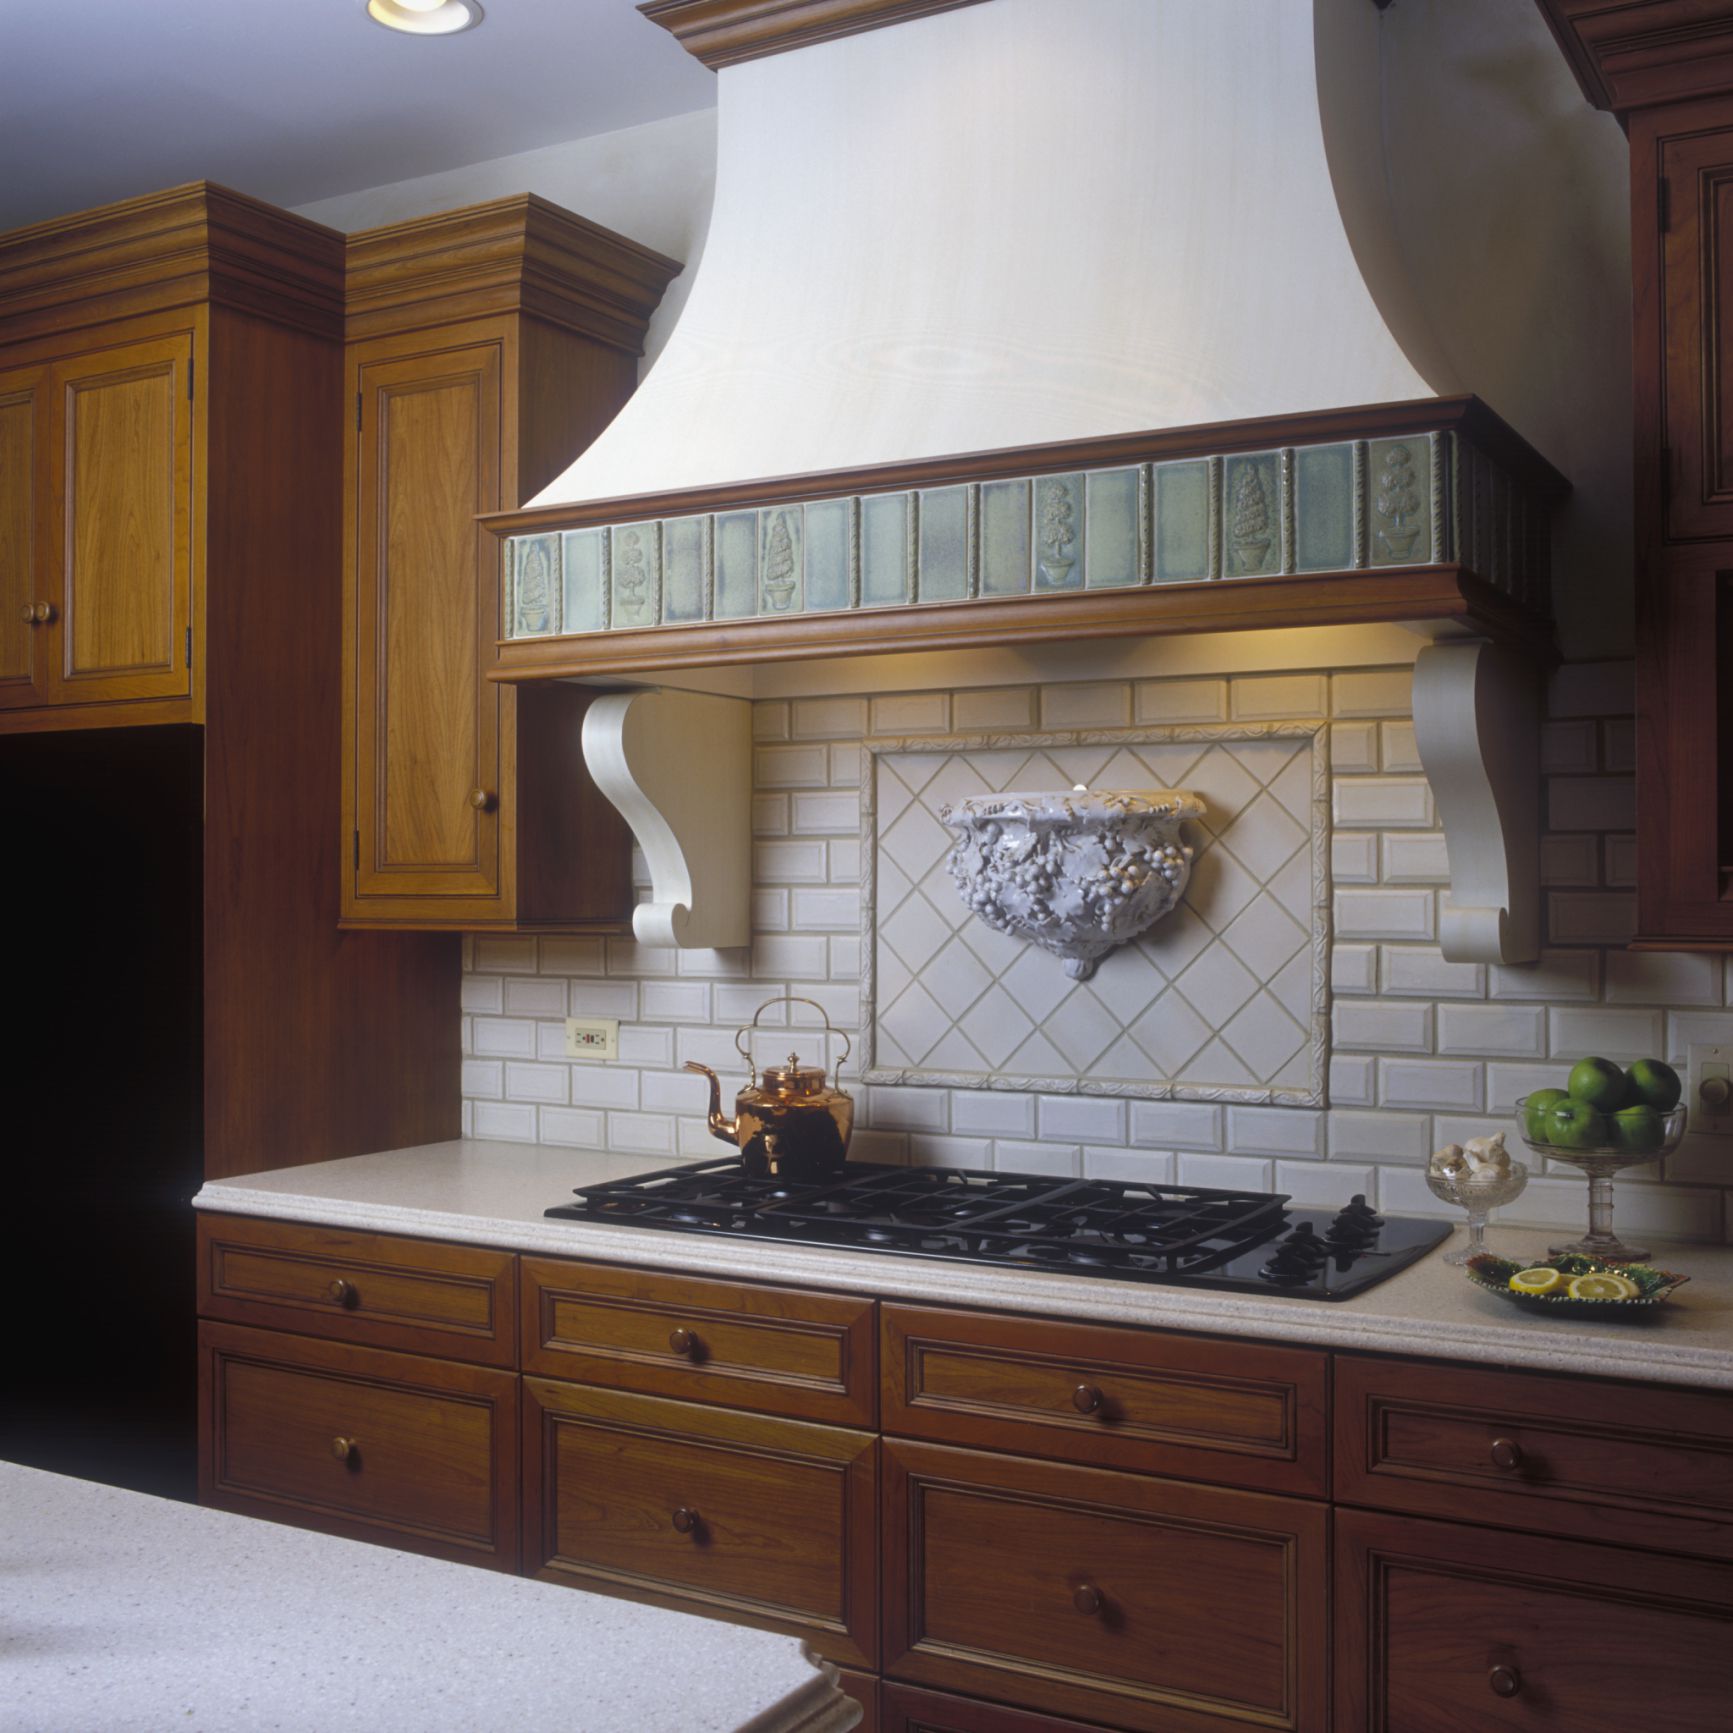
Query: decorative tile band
[1424, 499]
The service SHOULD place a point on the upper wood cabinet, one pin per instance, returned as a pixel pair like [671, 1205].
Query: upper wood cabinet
[23, 650]
[487, 348]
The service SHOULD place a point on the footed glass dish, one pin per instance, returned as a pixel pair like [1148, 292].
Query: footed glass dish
[1479, 1192]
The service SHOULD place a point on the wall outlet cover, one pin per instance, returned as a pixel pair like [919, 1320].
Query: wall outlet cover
[592, 1037]
[1709, 1066]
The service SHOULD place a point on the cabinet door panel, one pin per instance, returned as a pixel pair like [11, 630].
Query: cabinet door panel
[125, 454]
[428, 724]
[22, 641]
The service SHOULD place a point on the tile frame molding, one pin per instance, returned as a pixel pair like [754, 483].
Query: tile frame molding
[1314, 732]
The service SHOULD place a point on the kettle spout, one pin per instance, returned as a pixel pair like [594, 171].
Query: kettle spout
[719, 1127]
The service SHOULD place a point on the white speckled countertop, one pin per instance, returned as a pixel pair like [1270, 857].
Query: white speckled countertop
[133, 1614]
[494, 1194]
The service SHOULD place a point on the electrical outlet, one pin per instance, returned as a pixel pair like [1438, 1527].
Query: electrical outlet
[592, 1037]
[1709, 1088]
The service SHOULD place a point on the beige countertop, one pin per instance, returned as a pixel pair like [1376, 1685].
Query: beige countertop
[493, 1194]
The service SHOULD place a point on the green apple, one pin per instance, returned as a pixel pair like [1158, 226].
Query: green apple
[1574, 1124]
[1535, 1108]
[1597, 1082]
[1639, 1129]
[1653, 1083]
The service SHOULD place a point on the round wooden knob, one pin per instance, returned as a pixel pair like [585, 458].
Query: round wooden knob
[342, 1293]
[29, 613]
[1086, 1399]
[1086, 1598]
[1505, 1681]
[1506, 1454]
[38, 613]
[685, 1520]
[683, 1342]
[344, 1448]
[480, 799]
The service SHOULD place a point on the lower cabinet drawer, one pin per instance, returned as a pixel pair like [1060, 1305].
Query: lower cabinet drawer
[768, 1522]
[1152, 1605]
[416, 1453]
[1441, 1628]
[904, 1710]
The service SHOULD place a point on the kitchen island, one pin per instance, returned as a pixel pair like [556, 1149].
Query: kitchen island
[120, 1611]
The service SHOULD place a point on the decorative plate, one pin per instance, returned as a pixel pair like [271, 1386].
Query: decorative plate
[1653, 1286]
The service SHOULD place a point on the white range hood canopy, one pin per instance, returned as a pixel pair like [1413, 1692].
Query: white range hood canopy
[1018, 223]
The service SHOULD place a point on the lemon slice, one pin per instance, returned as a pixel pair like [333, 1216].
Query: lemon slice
[1539, 1280]
[1602, 1287]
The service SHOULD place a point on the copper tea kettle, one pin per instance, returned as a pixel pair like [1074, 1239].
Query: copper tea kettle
[790, 1124]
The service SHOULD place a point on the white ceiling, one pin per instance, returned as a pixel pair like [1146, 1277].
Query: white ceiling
[297, 100]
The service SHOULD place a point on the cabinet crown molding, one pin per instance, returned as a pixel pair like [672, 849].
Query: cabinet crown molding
[722, 32]
[1630, 54]
[521, 254]
[195, 243]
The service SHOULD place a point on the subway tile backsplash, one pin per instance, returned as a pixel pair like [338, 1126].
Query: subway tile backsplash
[1420, 1051]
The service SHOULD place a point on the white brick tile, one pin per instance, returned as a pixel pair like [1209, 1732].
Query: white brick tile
[1619, 746]
[992, 1113]
[1354, 969]
[1592, 689]
[572, 957]
[1130, 1166]
[1621, 861]
[770, 815]
[1384, 914]
[1698, 1028]
[845, 958]
[930, 1149]
[544, 996]
[912, 713]
[651, 1133]
[1671, 1211]
[1459, 1128]
[870, 1145]
[1665, 978]
[551, 1042]
[769, 911]
[505, 1038]
[791, 766]
[1358, 1136]
[790, 863]
[537, 1082]
[840, 1004]
[1383, 802]
[1591, 803]
[1059, 1159]
[770, 720]
[1577, 1031]
[1324, 1184]
[1372, 692]
[714, 965]
[1354, 857]
[1401, 754]
[1100, 704]
[1570, 861]
[676, 1001]
[599, 1084]
[513, 1121]
[674, 1091]
[1383, 1026]
[466, 1036]
[1591, 917]
[1498, 1031]
[828, 718]
[742, 1002]
[580, 1127]
[483, 993]
[1569, 748]
[892, 1108]
[1452, 1085]
[482, 1079]
[647, 1046]
[1230, 1172]
[466, 1119]
[1405, 1192]
[1182, 701]
[791, 957]
[505, 956]
[1353, 748]
[1417, 859]
[1290, 1131]
[1506, 1081]
[826, 911]
[827, 814]
[1080, 1119]
[604, 999]
[994, 707]
[845, 860]
[1353, 1080]
[626, 957]
[1557, 975]
[845, 766]
[1267, 697]
[1176, 1124]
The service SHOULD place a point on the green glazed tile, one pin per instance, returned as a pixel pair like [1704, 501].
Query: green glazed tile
[1115, 529]
[586, 585]
[1399, 501]
[1059, 532]
[1324, 508]
[1004, 538]
[536, 587]
[944, 563]
[686, 577]
[781, 575]
[736, 564]
[828, 534]
[884, 550]
[635, 568]
[1251, 515]
[1182, 522]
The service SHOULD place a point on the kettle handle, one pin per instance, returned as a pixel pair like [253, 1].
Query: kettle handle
[743, 1035]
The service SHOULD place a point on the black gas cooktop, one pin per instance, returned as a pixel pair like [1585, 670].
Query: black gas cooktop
[1246, 1242]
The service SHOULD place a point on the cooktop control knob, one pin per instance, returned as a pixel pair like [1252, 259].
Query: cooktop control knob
[1298, 1258]
[1356, 1226]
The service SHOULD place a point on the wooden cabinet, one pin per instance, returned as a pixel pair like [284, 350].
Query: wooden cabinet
[486, 348]
[24, 577]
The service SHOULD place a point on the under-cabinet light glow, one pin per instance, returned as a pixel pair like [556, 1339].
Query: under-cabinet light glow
[425, 17]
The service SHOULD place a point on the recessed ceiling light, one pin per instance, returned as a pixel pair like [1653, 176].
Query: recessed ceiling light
[425, 17]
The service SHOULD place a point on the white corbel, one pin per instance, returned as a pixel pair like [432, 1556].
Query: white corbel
[1477, 727]
[678, 765]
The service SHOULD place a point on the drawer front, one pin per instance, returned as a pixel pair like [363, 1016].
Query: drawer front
[771, 1350]
[1145, 1604]
[1630, 1463]
[905, 1710]
[417, 1453]
[418, 1295]
[1236, 1413]
[1441, 1628]
[768, 1522]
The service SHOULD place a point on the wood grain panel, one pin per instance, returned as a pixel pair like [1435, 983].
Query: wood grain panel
[906, 1710]
[1442, 1628]
[1090, 1593]
[725, 32]
[1630, 54]
[22, 663]
[1237, 1413]
[431, 1445]
[782, 1534]
[784, 1351]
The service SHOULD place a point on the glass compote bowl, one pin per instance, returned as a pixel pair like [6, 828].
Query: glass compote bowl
[1479, 1192]
[1600, 1162]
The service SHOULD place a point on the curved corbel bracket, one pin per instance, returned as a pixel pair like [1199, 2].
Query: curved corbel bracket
[1477, 727]
[678, 765]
